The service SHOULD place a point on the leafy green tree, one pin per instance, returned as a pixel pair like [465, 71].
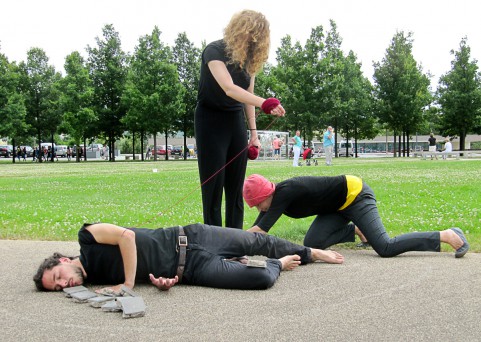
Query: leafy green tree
[297, 82]
[459, 95]
[187, 59]
[266, 86]
[356, 95]
[12, 106]
[108, 70]
[153, 95]
[333, 68]
[39, 85]
[402, 89]
[76, 99]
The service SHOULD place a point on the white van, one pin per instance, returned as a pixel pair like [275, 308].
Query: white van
[61, 150]
[341, 149]
[318, 148]
[47, 144]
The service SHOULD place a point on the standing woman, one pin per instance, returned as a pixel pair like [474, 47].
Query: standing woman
[225, 102]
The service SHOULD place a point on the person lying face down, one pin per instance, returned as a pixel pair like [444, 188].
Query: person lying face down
[343, 206]
[196, 254]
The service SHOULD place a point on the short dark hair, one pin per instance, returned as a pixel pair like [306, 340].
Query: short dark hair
[47, 264]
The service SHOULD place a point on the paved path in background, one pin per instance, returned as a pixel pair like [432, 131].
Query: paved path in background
[413, 297]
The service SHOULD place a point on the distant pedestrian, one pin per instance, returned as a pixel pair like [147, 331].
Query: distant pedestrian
[147, 154]
[432, 145]
[448, 147]
[328, 144]
[296, 148]
[276, 146]
[69, 153]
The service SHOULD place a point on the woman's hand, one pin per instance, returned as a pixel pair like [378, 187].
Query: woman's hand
[278, 111]
[163, 284]
[254, 141]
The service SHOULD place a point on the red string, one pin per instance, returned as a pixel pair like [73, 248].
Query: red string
[208, 179]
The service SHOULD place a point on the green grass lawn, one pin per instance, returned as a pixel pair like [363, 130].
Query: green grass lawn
[50, 201]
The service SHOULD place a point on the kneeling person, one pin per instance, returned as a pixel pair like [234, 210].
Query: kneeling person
[343, 205]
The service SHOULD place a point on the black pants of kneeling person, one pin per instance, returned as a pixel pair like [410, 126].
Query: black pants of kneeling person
[331, 229]
[210, 246]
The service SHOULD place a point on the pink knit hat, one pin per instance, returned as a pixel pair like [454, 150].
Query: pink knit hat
[257, 189]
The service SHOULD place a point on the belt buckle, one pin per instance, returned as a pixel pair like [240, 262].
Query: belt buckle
[183, 241]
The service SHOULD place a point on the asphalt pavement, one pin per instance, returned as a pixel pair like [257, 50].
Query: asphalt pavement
[412, 297]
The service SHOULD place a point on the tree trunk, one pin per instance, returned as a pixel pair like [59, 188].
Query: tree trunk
[40, 151]
[52, 153]
[155, 146]
[14, 150]
[84, 149]
[166, 147]
[394, 146]
[408, 149]
[133, 145]
[142, 145]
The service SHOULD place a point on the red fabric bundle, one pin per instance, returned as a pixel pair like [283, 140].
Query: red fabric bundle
[253, 152]
[269, 104]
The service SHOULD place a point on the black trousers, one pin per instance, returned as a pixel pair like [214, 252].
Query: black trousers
[220, 137]
[210, 246]
[327, 230]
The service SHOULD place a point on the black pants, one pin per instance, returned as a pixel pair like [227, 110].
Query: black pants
[220, 137]
[209, 246]
[327, 230]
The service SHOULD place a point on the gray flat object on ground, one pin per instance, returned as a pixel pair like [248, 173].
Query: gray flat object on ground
[97, 302]
[131, 306]
[69, 290]
[82, 297]
[256, 263]
[108, 292]
[111, 306]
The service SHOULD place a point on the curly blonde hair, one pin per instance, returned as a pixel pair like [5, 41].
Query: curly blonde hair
[247, 39]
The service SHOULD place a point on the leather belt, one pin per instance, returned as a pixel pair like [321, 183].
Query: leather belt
[182, 252]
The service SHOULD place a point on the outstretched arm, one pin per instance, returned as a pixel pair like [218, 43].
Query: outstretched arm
[224, 79]
[111, 234]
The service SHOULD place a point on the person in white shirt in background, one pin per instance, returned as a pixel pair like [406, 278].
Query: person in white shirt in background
[448, 147]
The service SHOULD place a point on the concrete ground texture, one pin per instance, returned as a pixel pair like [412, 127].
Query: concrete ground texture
[411, 297]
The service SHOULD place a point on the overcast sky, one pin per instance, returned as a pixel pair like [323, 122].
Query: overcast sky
[367, 27]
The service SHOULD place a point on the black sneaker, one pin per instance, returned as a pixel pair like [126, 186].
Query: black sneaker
[363, 245]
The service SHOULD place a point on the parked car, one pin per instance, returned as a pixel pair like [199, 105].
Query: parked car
[47, 144]
[162, 150]
[29, 150]
[61, 150]
[6, 151]
[95, 147]
[177, 150]
[74, 150]
[342, 148]
[192, 149]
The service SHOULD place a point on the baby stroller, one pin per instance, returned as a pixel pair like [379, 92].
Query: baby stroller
[307, 155]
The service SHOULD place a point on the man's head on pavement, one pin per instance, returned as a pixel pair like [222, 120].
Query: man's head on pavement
[58, 272]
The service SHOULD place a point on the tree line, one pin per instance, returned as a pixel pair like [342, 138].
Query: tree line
[154, 89]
